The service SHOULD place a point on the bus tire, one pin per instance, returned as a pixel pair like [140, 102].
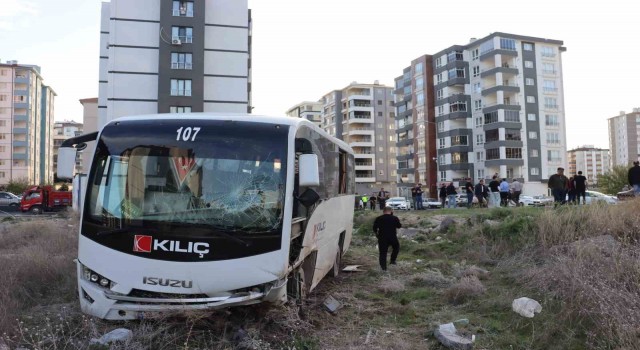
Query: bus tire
[296, 286]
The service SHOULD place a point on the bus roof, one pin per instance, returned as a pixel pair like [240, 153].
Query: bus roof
[242, 117]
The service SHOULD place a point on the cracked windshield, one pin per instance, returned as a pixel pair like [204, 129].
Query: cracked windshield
[242, 191]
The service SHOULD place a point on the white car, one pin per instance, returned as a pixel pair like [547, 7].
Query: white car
[535, 201]
[593, 197]
[431, 203]
[398, 203]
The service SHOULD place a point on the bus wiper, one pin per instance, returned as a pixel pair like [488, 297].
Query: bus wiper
[113, 232]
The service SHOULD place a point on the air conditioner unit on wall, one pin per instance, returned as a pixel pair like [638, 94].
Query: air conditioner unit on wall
[176, 41]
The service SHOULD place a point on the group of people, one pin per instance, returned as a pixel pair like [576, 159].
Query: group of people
[379, 198]
[566, 189]
[496, 193]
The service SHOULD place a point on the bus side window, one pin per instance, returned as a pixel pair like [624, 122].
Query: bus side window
[342, 171]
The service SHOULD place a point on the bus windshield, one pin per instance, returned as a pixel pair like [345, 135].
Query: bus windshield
[228, 177]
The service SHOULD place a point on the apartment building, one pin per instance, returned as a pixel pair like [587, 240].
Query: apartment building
[311, 111]
[415, 128]
[363, 116]
[26, 124]
[624, 137]
[62, 131]
[499, 109]
[161, 56]
[590, 160]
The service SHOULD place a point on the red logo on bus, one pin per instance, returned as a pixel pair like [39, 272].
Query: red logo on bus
[142, 243]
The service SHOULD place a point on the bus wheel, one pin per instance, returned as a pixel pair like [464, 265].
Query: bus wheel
[296, 286]
[335, 271]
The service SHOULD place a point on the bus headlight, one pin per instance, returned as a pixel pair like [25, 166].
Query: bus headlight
[104, 282]
[91, 276]
[94, 278]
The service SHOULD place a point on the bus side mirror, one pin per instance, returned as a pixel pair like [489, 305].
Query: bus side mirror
[308, 172]
[308, 198]
[66, 162]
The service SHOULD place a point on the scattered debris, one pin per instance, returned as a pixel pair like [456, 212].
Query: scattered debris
[448, 336]
[332, 304]
[446, 223]
[438, 238]
[418, 261]
[116, 335]
[526, 307]
[352, 268]
[366, 341]
[492, 222]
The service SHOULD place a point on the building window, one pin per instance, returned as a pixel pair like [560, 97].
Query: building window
[534, 153]
[441, 143]
[479, 156]
[379, 114]
[477, 88]
[551, 120]
[529, 81]
[553, 156]
[184, 34]
[3, 72]
[533, 135]
[548, 51]
[380, 172]
[440, 126]
[181, 60]
[478, 121]
[477, 105]
[419, 100]
[2, 148]
[549, 86]
[418, 68]
[3, 97]
[180, 87]
[476, 71]
[531, 117]
[553, 138]
[512, 116]
[443, 176]
[491, 117]
[379, 102]
[535, 171]
[548, 68]
[439, 62]
[480, 139]
[528, 64]
[514, 153]
[439, 94]
[458, 107]
[459, 140]
[456, 73]
[440, 110]
[527, 47]
[550, 103]
[180, 109]
[512, 134]
[507, 44]
[493, 153]
[531, 99]
[183, 8]
[439, 78]
[419, 83]
[475, 53]
[480, 174]
[3, 123]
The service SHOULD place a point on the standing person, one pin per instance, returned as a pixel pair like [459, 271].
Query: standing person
[442, 193]
[382, 198]
[451, 196]
[634, 177]
[571, 191]
[365, 201]
[413, 197]
[419, 196]
[516, 189]
[385, 227]
[494, 192]
[480, 190]
[372, 202]
[504, 193]
[469, 187]
[580, 185]
[558, 184]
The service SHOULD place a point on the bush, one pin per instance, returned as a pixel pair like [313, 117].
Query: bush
[613, 181]
[467, 288]
[18, 186]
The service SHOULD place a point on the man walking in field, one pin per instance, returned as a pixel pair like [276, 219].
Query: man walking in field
[558, 183]
[580, 185]
[385, 227]
[634, 177]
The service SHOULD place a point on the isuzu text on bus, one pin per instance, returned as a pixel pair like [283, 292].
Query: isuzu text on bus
[203, 211]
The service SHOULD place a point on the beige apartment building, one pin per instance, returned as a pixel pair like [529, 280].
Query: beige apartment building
[363, 116]
[62, 131]
[624, 137]
[312, 111]
[590, 160]
[26, 124]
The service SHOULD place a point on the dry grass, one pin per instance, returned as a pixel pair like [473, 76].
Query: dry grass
[37, 261]
[468, 287]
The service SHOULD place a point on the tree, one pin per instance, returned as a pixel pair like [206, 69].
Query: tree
[18, 186]
[613, 181]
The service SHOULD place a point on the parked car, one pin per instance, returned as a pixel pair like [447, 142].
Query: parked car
[431, 203]
[628, 194]
[398, 203]
[461, 198]
[8, 199]
[593, 197]
[535, 201]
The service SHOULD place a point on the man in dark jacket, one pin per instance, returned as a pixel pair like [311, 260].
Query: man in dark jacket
[482, 192]
[558, 183]
[442, 194]
[634, 177]
[385, 227]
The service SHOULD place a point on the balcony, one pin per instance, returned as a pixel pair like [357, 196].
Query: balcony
[362, 143]
[404, 142]
[361, 95]
[360, 118]
[408, 156]
[20, 92]
[359, 131]
[20, 117]
[403, 171]
[504, 86]
[20, 156]
[21, 105]
[365, 166]
[19, 143]
[492, 71]
[491, 107]
[21, 79]
[491, 53]
[507, 162]
[405, 128]
[19, 130]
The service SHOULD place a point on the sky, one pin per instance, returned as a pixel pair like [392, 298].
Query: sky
[303, 49]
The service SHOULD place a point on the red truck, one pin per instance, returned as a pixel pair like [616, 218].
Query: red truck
[44, 198]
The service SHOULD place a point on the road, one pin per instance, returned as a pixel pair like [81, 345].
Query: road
[15, 211]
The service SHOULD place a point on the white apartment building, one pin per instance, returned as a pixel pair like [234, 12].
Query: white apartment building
[590, 160]
[161, 56]
[364, 117]
[26, 124]
[64, 130]
[499, 106]
[624, 138]
[309, 110]
[89, 124]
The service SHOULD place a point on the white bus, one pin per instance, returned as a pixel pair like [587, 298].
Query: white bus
[205, 211]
